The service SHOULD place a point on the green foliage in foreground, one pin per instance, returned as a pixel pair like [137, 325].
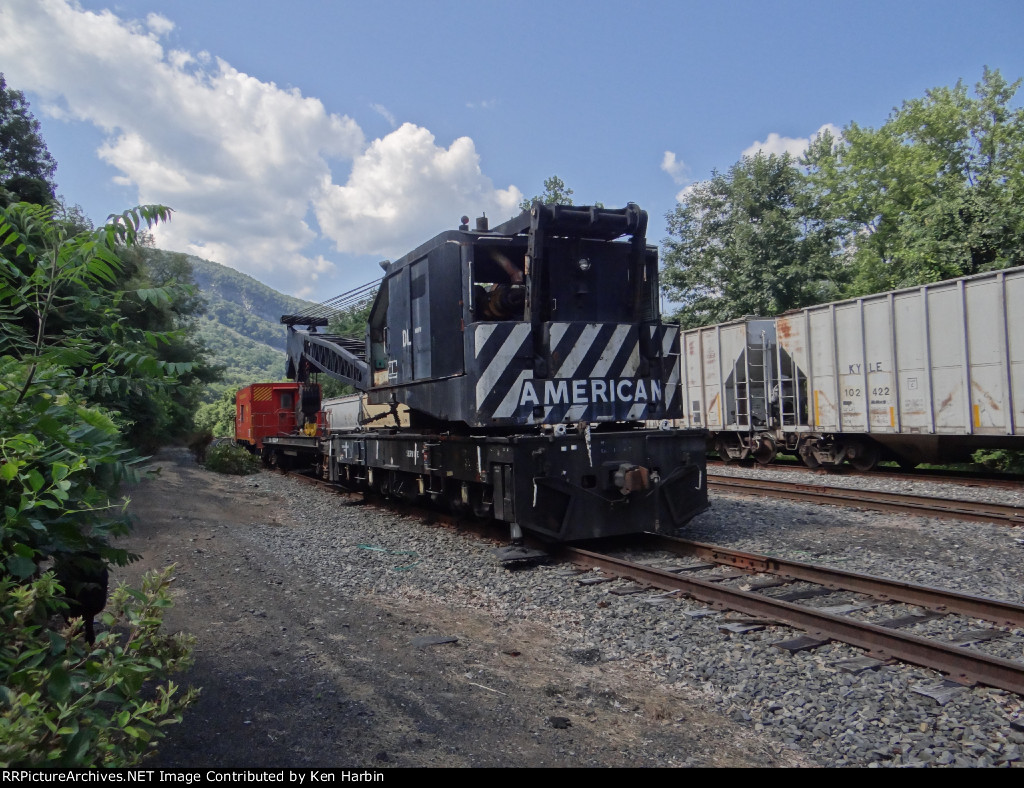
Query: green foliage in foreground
[70, 353]
[62, 456]
[68, 704]
[226, 458]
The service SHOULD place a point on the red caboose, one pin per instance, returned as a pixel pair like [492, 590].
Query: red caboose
[266, 409]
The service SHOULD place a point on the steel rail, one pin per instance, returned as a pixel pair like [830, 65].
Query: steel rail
[954, 661]
[938, 599]
[884, 643]
[872, 499]
[937, 476]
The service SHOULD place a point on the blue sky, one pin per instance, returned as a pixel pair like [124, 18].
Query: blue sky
[301, 142]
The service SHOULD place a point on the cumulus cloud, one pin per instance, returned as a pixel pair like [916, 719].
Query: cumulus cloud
[794, 146]
[674, 167]
[684, 194]
[160, 25]
[243, 162]
[404, 185]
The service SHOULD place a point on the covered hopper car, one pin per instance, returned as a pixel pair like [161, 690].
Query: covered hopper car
[923, 374]
[510, 372]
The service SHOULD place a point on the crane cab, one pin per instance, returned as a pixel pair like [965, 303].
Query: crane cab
[547, 318]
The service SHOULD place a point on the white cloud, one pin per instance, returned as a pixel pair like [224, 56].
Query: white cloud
[385, 113]
[675, 167]
[485, 104]
[160, 25]
[403, 187]
[242, 162]
[794, 146]
[684, 194]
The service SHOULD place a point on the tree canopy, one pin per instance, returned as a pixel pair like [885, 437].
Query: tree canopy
[747, 242]
[936, 192]
[555, 192]
[26, 166]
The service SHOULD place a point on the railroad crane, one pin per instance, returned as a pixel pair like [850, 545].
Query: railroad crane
[519, 366]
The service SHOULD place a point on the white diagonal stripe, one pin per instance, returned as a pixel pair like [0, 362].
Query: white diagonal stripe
[508, 405]
[575, 413]
[579, 350]
[636, 412]
[667, 338]
[557, 332]
[633, 363]
[671, 332]
[610, 351]
[483, 333]
[500, 362]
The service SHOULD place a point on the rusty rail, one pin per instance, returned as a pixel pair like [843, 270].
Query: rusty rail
[954, 661]
[871, 499]
[941, 600]
[937, 476]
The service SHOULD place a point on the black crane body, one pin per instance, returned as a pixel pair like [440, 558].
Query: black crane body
[527, 362]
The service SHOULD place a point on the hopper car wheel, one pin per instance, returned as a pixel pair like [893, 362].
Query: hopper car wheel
[721, 450]
[810, 460]
[766, 451]
[866, 458]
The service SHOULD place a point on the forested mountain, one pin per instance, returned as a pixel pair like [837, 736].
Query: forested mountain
[241, 326]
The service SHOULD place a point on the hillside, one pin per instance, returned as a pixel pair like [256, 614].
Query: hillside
[242, 324]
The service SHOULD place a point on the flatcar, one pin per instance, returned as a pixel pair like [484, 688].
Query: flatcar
[511, 372]
[923, 374]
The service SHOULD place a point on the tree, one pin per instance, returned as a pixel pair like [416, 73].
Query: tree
[26, 166]
[65, 347]
[62, 458]
[218, 418]
[555, 193]
[141, 311]
[934, 193]
[748, 242]
[160, 296]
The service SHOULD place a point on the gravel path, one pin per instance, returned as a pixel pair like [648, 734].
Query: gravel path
[802, 702]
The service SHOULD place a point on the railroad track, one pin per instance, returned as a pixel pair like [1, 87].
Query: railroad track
[965, 478]
[871, 499]
[773, 591]
[775, 586]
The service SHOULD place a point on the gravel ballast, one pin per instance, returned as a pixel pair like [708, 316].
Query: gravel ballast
[805, 701]
[334, 633]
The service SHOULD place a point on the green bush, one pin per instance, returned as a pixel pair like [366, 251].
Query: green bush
[1002, 460]
[218, 418]
[225, 458]
[66, 357]
[65, 703]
